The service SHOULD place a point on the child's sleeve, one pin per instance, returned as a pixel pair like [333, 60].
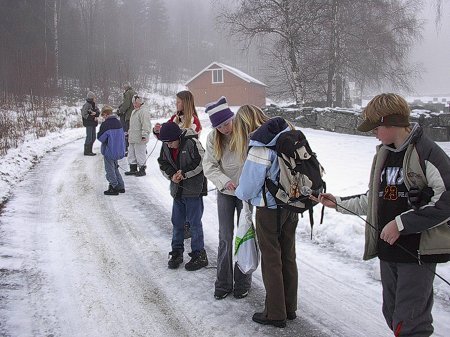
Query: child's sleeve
[197, 152]
[165, 166]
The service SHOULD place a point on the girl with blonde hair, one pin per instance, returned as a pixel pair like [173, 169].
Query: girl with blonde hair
[186, 116]
[226, 148]
[248, 119]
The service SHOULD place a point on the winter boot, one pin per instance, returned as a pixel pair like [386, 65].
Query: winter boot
[141, 171]
[176, 259]
[90, 150]
[261, 318]
[198, 261]
[111, 191]
[87, 150]
[133, 170]
[120, 190]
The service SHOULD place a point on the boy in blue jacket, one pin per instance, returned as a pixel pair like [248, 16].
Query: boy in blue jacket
[112, 137]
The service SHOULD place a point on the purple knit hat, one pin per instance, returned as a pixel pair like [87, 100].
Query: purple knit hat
[219, 112]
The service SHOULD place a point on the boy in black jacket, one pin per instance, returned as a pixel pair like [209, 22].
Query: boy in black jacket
[180, 161]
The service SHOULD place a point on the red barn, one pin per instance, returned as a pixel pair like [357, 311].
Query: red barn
[218, 80]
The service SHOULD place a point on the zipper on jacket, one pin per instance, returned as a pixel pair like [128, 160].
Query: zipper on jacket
[418, 258]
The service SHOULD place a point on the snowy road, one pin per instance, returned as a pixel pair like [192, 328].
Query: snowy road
[78, 263]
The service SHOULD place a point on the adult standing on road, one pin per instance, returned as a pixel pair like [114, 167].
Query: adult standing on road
[125, 109]
[90, 113]
[138, 136]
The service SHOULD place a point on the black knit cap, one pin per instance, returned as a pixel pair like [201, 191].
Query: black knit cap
[169, 132]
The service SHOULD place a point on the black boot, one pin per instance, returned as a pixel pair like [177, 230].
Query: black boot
[90, 150]
[111, 191]
[141, 171]
[176, 258]
[133, 170]
[261, 318]
[198, 260]
[120, 190]
[87, 150]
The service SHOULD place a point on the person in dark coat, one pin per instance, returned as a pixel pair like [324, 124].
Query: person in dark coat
[90, 113]
[125, 109]
[180, 161]
[112, 137]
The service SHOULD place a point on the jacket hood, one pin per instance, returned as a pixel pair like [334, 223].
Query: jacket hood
[414, 135]
[268, 133]
[189, 133]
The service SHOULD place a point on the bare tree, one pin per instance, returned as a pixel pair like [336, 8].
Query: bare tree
[56, 13]
[88, 10]
[328, 43]
[290, 22]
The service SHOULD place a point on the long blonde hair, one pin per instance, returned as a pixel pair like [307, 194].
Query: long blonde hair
[189, 110]
[219, 143]
[248, 118]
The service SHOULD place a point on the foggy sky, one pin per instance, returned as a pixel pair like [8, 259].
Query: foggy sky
[434, 53]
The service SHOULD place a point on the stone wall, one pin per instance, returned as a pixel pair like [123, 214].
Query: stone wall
[435, 125]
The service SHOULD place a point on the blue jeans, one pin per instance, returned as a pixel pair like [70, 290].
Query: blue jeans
[90, 135]
[187, 210]
[112, 173]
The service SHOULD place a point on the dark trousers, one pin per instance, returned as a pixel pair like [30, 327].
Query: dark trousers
[278, 261]
[90, 135]
[227, 206]
[408, 297]
[126, 127]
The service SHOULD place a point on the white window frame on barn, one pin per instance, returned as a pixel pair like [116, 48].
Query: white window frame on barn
[217, 75]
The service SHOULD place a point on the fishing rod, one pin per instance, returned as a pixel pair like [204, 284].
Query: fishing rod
[308, 190]
[153, 149]
[308, 193]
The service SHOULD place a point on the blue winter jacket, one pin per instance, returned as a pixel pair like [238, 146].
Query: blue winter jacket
[261, 162]
[112, 137]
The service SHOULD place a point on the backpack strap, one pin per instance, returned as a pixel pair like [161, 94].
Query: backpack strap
[278, 210]
[279, 221]
[311, 219]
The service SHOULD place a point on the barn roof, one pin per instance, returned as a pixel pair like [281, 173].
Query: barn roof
[234, 71]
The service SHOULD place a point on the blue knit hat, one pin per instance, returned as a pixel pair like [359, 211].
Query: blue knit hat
[169, 132]
[219, 112]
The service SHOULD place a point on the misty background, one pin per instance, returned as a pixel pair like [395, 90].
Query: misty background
[306, 52]
[433, 51]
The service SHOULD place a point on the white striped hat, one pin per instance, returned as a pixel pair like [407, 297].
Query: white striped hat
[219, 112]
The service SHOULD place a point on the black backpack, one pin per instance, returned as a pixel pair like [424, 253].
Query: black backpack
[300, 174]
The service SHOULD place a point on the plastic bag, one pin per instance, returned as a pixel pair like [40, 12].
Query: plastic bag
[246, 248]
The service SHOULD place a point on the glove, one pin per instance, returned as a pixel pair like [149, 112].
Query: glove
[417, 198]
